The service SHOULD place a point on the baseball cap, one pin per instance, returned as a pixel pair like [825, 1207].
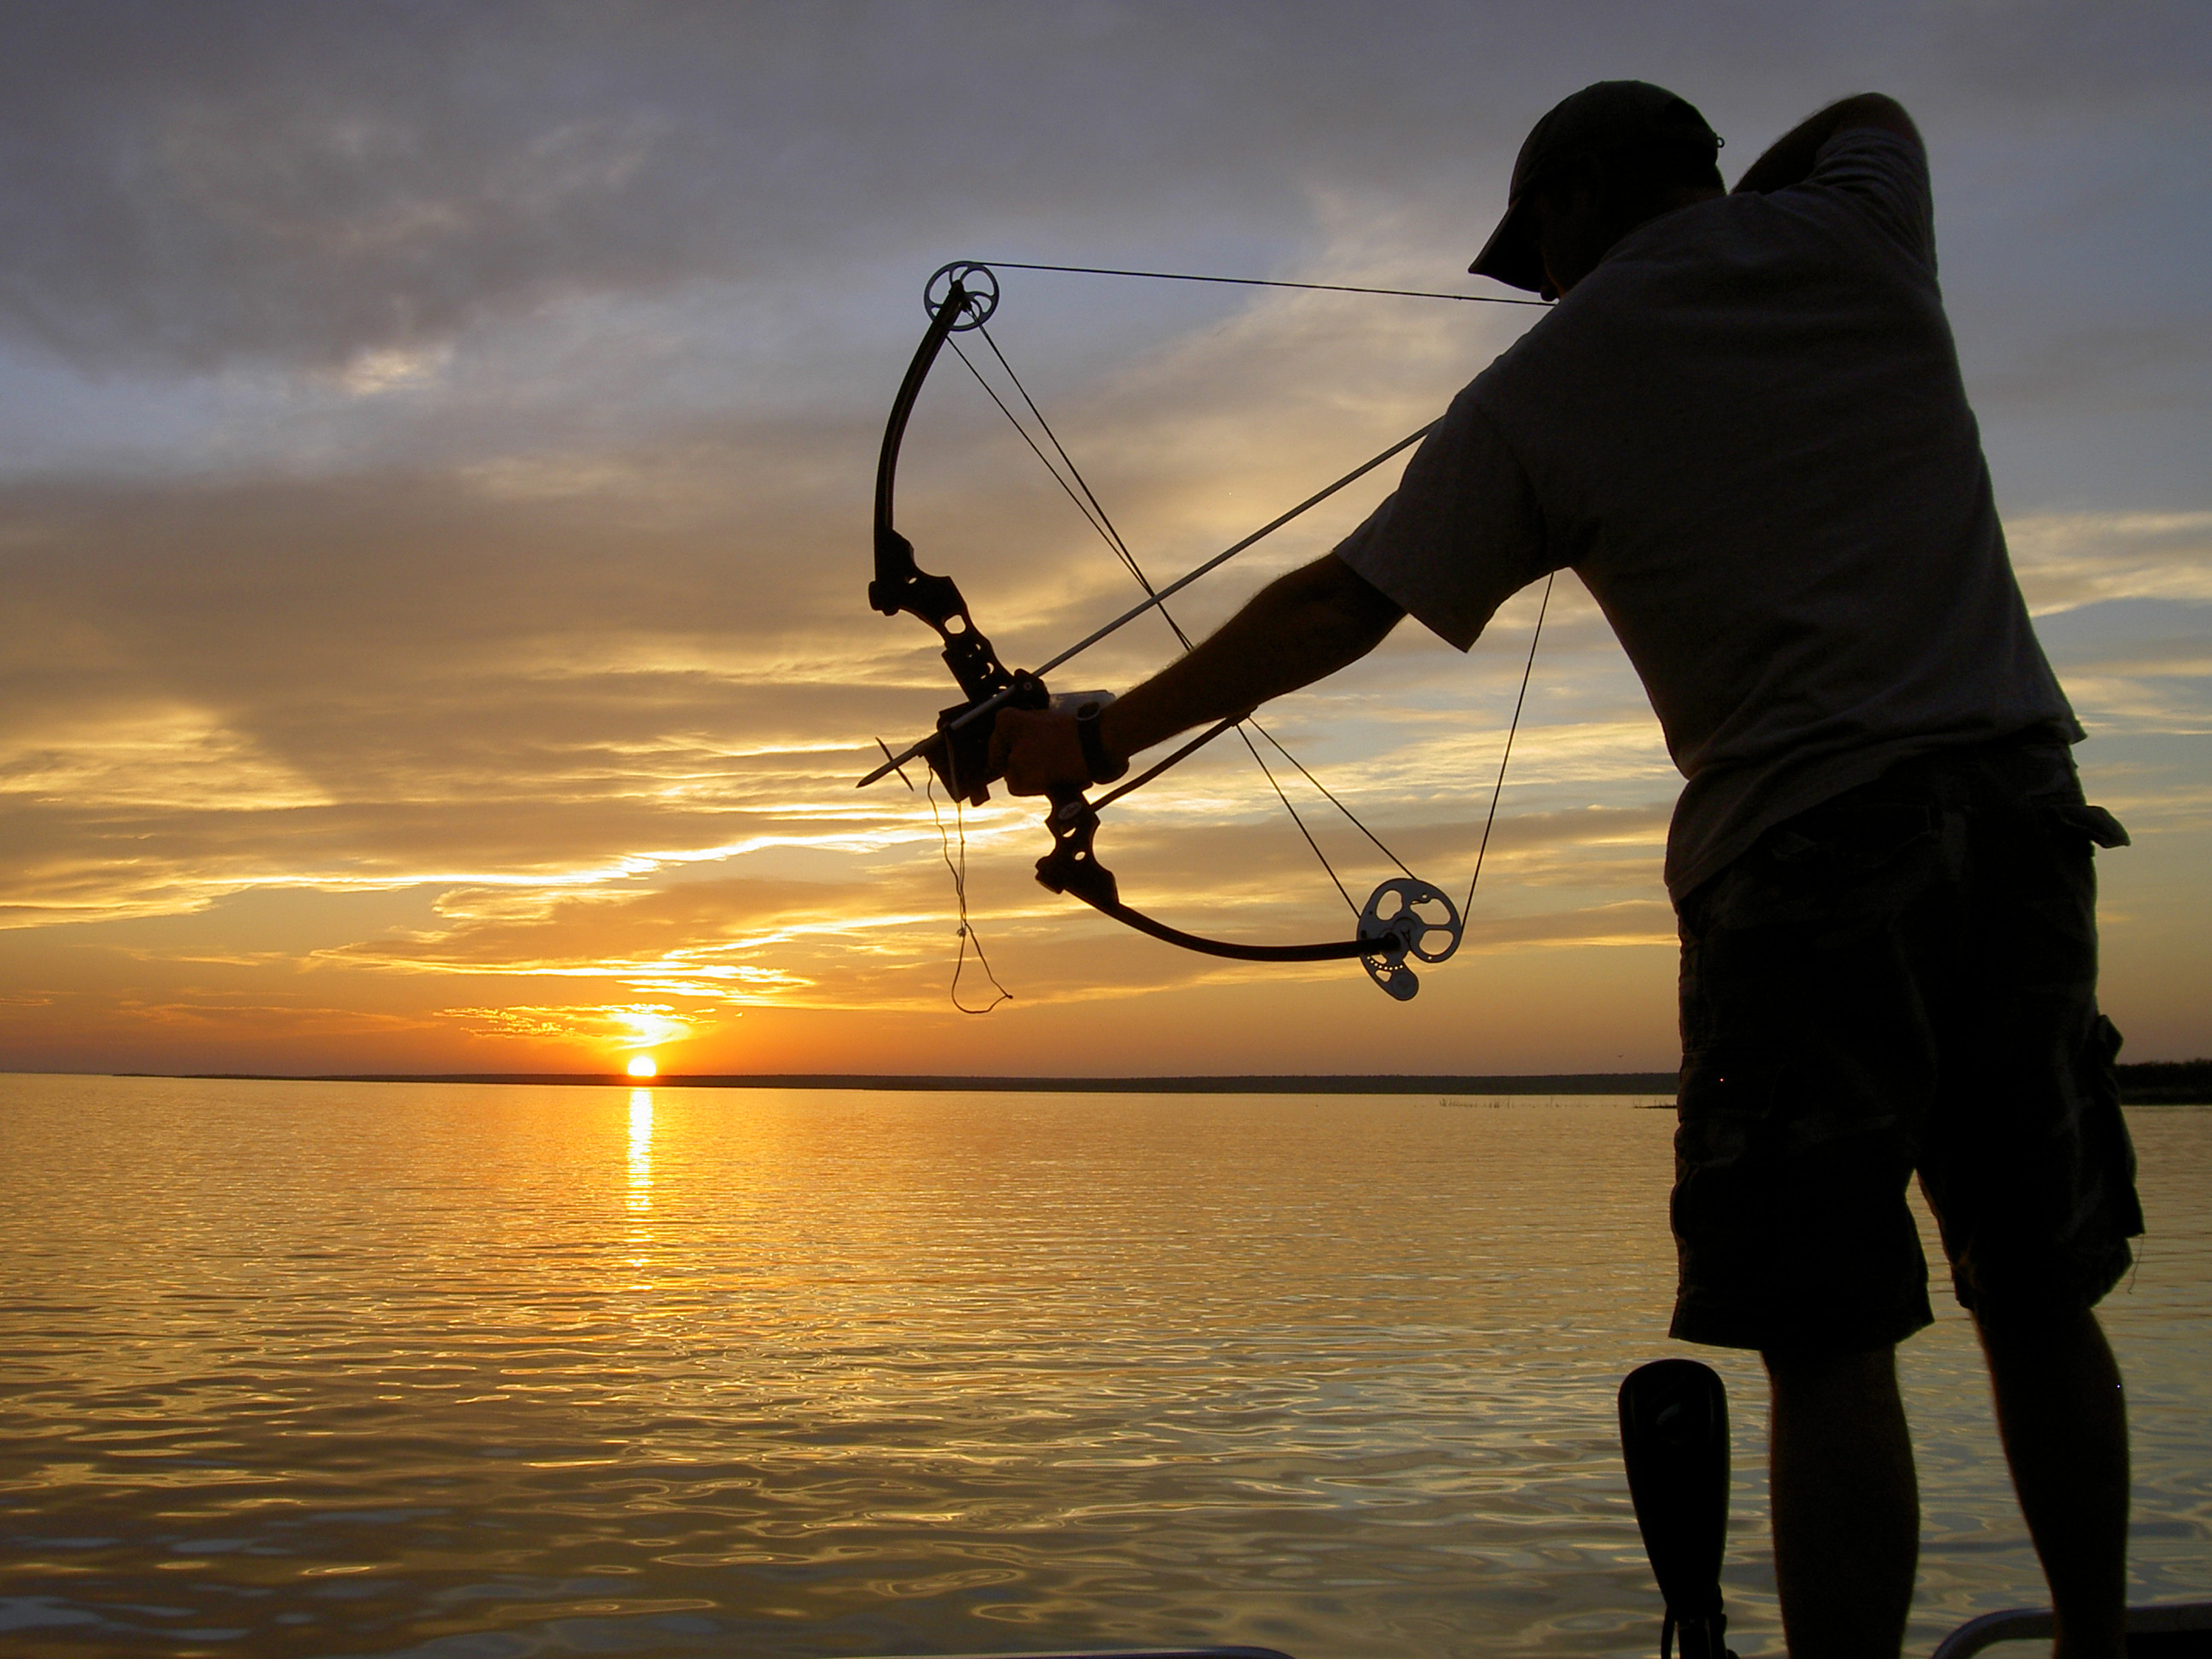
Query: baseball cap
[1605, 117]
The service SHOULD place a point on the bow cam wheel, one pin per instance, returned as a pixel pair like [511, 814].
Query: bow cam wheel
[1406, 916]
[980, 283]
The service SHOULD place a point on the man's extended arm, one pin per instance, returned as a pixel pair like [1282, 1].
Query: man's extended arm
[1298, 629]
[1789, 160]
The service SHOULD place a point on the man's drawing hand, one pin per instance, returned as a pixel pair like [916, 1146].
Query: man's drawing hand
[1038, 751]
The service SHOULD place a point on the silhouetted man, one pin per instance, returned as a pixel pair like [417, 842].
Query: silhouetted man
[1743, 426]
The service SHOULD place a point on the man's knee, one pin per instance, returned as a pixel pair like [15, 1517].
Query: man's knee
[1833, 1381]
[2021, 1344]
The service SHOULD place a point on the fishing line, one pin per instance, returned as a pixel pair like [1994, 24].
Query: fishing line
[967, 933]
[959, 872]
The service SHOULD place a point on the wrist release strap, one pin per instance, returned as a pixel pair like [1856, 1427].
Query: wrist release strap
[1104, 767]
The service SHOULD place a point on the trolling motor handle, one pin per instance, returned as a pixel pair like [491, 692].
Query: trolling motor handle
[1675, 1441]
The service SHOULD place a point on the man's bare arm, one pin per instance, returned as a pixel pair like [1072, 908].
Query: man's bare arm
[1789, 160]
[1299, 628]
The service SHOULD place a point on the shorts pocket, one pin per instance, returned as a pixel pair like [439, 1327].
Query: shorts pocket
[2108, 1151]
[1852, 838]
[1844, 865]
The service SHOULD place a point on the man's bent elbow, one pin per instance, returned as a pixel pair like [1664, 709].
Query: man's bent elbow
[1876, 109]
[1364, 613]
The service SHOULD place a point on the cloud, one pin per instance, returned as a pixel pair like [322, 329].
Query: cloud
[729, 939]
[637, 1025]
[246, 179]
[436, 446]
[148, 756]
[2068, 560]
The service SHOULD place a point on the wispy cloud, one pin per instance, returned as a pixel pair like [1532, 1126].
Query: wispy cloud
[2068, 560]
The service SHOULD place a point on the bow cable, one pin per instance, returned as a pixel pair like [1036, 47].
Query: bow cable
[1093, 511]
[976, 711]
[1229, 553]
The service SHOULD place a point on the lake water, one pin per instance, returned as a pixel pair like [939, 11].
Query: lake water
[296, 1370]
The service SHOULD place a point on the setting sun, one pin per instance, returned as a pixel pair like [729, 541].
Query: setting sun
[641, 1065]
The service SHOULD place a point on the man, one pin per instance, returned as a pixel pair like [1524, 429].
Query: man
[1743, 426]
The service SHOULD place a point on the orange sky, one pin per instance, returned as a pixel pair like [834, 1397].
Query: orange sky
[435, 528]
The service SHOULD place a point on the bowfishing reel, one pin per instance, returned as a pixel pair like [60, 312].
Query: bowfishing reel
[1406, 917]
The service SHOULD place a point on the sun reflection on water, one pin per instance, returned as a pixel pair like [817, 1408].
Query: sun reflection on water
[640, 1149]
[639, 1202]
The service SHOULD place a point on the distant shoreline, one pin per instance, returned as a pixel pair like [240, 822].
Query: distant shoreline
[2151, 1083]
[1572, 1082]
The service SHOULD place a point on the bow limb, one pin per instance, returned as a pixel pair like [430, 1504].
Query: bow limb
[959, 753]
[1072, 867]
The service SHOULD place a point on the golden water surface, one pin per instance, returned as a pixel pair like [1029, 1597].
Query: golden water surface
[316, 1368]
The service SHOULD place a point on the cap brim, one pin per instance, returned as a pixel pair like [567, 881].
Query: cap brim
[1510, 256]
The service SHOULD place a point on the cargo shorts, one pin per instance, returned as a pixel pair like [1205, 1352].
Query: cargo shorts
[1901, 980]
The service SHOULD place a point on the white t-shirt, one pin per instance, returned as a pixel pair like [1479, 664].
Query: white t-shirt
[1746, 432]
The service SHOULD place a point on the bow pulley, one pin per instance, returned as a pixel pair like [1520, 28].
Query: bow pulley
[1405, 917]
[977, 287]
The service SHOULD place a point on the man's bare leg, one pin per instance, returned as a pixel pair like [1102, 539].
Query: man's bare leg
[2064, 1421]
[1845, 1501]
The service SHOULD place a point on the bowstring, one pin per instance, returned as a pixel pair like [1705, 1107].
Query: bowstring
[1094, 511]
[1498, 788]
[1267, 281]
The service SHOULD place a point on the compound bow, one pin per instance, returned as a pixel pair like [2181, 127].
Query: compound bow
[1404, 917]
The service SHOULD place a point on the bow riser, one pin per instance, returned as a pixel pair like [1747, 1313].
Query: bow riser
[936, 600]
[961, 756]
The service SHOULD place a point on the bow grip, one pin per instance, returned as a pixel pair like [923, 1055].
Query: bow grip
[961, 758]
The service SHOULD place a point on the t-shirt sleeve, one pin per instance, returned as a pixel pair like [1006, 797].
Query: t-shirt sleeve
[1886, 175]
[1461, 533]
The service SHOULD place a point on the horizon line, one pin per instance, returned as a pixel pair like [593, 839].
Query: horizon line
[2143, 1083]
[1591, 1083]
